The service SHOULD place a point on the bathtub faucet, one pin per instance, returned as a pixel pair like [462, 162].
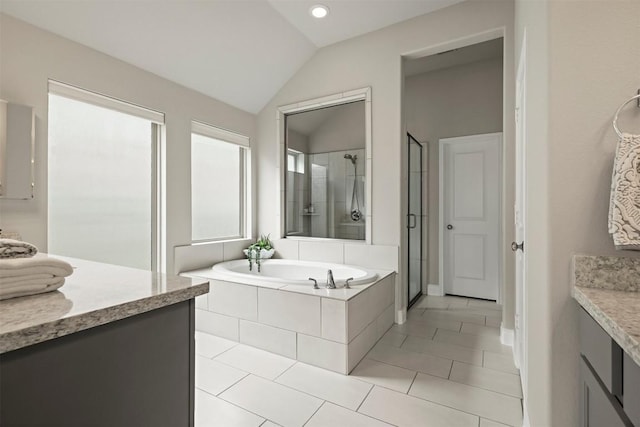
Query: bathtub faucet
[331, 284]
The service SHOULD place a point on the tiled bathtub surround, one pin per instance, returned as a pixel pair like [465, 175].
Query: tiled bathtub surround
[608, 289]
[332, 329]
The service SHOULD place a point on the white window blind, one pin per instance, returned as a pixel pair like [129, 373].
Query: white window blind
[218, 133]
[75, 93]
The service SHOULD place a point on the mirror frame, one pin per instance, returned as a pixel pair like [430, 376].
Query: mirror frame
[363, 94]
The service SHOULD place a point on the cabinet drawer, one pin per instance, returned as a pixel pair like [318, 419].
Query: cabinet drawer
[598, 408]
[599, 350]
[631, 389]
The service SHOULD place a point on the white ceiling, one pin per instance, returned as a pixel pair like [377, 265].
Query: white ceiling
[238, 51]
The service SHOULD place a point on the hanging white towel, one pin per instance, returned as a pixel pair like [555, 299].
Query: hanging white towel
[10, 248]
[624, 205]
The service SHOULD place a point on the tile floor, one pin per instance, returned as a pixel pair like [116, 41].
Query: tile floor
[444, 367]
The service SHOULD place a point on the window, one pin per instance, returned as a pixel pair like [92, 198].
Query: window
[103, 178]
[220, 177]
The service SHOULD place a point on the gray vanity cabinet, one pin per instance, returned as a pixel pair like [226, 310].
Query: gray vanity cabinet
[631, 387]
[607, 396]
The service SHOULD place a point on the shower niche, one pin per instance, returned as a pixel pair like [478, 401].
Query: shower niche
[325, 181]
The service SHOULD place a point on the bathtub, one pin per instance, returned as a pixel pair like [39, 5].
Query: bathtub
[292, 272]
[278, 309]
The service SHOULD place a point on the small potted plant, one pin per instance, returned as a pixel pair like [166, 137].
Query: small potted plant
[261, 249]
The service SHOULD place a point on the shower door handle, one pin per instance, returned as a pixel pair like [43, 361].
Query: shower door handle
[409, 224]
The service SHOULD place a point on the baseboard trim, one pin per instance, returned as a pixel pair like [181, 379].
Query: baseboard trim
[525, 414]
[434, 290]
[506, 336]
[401, 316]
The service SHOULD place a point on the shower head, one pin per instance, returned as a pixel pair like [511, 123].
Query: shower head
[352, 158]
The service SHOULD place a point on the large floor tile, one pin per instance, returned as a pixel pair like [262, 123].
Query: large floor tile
[492, 305]
[413, 361]
[210, 346]
[488, 423]
[488, 379]
[330, 415]
[432, 303]
[258, 362]
[214, 377]
[211, 411]
[445, 350]
[402, 410]
[472, 328]
[415, 313]
[415, 329]
[384, 375]
[341, 389]
[392, 338]
[480, 311]
[485, 403]
[500, 362]
[456, 316]
[428, 322]
[493, 321]
[481, 342]
[275, 402]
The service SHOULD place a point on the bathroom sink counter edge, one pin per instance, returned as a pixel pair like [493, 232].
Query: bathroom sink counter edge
[608, 289]
[95, 294]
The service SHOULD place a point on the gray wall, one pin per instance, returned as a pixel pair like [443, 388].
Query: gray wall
[583, 61]
[455, 101]
[30, 56]
[375, 60]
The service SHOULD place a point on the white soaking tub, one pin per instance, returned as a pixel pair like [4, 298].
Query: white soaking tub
[293, 272]
[278, 309]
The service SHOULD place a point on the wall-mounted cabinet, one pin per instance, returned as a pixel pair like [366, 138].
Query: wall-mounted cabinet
[17, 129]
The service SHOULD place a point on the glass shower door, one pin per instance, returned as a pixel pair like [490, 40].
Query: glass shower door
[414, 219]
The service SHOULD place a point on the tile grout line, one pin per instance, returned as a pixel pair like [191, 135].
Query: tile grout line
[412, 381]
[314, 412]
[236, 382]
[365, 397]
[283, 372]
[233, 404]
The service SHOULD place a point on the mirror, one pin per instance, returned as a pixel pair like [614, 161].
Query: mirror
[16, 151]
[325, 179]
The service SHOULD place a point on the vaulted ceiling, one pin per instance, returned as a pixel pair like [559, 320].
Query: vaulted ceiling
[238, 51]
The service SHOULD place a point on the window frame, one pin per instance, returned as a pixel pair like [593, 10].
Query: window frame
[158, 161]
[243, 143]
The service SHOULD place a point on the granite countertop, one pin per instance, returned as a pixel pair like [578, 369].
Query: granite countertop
[95, 294]
[608, 289]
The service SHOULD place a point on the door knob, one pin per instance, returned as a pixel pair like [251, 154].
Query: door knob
[449, 227]
[515, 246]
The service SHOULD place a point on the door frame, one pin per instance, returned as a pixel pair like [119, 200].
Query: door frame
[520, 346]
[457, 140]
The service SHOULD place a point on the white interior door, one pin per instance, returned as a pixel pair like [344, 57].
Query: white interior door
[520, 340]
[470, 217]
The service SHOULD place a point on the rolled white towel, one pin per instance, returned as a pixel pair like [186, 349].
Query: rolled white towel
[18, 267]
[10, 248]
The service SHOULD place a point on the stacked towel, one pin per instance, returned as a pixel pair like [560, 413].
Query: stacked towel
[10, 248]
[29, 276]
[624, 206]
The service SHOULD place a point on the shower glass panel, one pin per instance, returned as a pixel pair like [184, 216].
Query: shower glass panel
[414, 218]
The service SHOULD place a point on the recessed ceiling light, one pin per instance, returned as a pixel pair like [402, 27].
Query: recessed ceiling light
[319, 11]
